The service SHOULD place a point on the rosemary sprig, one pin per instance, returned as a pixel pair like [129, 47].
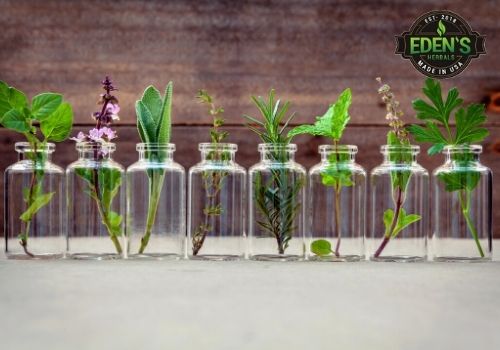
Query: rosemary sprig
[276, 198]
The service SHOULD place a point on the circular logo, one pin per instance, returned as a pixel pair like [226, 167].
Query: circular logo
[440, 44]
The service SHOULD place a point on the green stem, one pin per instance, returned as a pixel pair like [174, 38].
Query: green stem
[156, 186]
[466, 213]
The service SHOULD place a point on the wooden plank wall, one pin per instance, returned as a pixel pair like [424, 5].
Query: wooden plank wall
[309, 50]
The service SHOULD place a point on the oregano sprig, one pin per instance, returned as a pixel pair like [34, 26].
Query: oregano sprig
[46, 119]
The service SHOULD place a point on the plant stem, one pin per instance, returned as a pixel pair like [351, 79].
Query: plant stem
[156, 186]
[338, 226]
[388, 234]
[466, 213]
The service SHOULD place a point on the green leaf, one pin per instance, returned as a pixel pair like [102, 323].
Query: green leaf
[404, 220]
[429, 134]
[147, 124]
[332, 123]
[15, 120]
[4, 99]
[321, 247]
[43, 105]
[152, 100]
[165, 120]
[36, 205]
[460, 180]
[57, 126]
[17, 99]
[115, 222]
[468, 122]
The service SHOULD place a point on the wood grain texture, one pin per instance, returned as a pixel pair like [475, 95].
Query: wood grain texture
[308, 50]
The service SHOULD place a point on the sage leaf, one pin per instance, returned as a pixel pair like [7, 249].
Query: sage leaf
[146, 121]
[165, 120]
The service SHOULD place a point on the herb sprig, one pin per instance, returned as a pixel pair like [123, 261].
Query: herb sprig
[332, 125]
[46, 119]
[212, 179]
[154, 123]
[276, 198]
[395, 220]
[469, 128]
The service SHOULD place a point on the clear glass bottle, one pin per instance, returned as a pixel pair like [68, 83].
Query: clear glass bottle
[462, 207]
[277, 189]
[399, 207]
[34, 205]
[336, 204]
[216, 207]
[156, 203]
[96, 204]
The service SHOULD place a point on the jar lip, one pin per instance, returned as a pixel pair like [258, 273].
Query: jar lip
[24, 147]
[338, 149]
[155, 146]
[400, 148]
[92, 146]
[463, 148]
[209, 146]
[290, 147]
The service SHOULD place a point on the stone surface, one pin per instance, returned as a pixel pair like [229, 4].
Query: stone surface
[248, 305]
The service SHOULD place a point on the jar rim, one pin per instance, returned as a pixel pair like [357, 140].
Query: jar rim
[289, 147]
[93, 146]
[23, 147]
[210, 146]
[338, 148]
[463, 148]
[154, 146]
[415, 149]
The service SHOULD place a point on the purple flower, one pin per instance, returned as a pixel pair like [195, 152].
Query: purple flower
[81, 137]
[110, 134]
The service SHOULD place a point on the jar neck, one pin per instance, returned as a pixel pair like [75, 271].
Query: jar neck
[95, 151]
[462, 155]
[218, 152]
[34, 153]
[277, 153]
[338, 153]
[155, 152]
[400, 154]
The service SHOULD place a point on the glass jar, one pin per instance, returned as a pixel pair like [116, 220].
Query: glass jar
[34, 205]
[337, 200]
[399, 207]
[277, 205]
[96, 203]
[155, 203]
[216, 208]
[462, 214]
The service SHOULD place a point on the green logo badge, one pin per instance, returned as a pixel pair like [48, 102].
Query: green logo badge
[440, 44]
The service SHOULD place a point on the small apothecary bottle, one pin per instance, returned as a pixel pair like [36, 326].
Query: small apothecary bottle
[34, 204]
[277, 188]
[96, 203]
[216, 206]
[462, 207]
[399, 207]
[336, 205]
[155, 203]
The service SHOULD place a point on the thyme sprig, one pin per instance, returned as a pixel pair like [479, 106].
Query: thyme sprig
[212, 179]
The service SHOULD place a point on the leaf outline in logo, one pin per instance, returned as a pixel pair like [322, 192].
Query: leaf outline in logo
[441, 28]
